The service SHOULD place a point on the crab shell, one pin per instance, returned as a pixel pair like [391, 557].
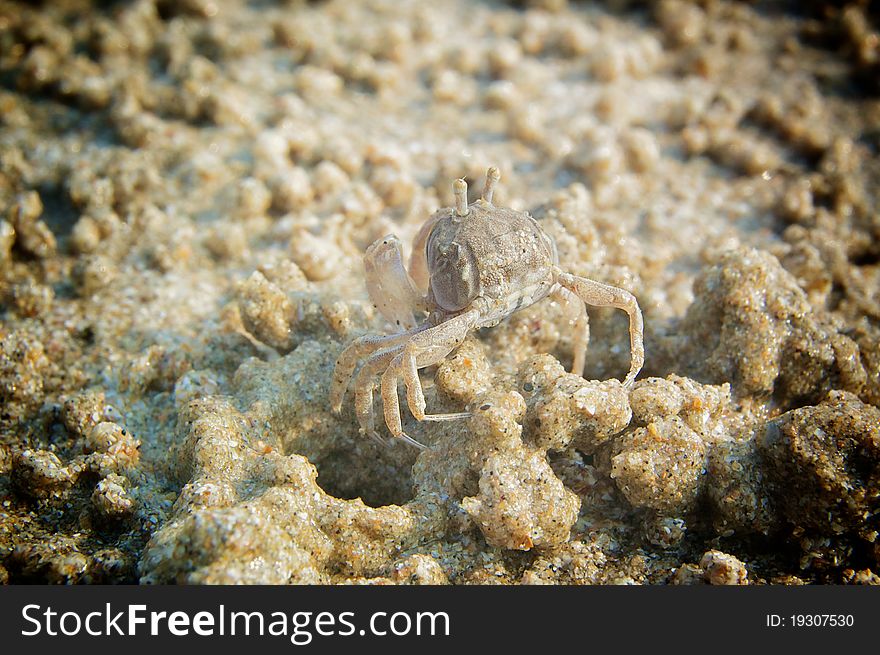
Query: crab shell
[497, 255]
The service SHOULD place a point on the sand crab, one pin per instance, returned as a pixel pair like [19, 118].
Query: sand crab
[471, 267]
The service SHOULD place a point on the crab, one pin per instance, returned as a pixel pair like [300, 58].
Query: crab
[471, 266]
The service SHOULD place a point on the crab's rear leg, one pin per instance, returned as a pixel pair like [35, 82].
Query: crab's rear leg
[603, 295]
[423, 349]
[390, 287]
[581, 327]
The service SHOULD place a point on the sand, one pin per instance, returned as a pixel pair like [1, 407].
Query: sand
[186, 193]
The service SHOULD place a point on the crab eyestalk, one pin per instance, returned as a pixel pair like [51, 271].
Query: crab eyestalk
[492, 177]
[459, 188]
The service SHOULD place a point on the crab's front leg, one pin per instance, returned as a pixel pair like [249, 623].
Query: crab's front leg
[603, 295]
[349, 357]
[423, 349]
[389, 285]
[363, 388]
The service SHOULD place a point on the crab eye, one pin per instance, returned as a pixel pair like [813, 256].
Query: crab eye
[454, 279]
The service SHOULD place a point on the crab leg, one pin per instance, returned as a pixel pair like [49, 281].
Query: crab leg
[423, 349]
[415, 396]
[604, 295]
[581, 327]
[350, 356]
[363, 389]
